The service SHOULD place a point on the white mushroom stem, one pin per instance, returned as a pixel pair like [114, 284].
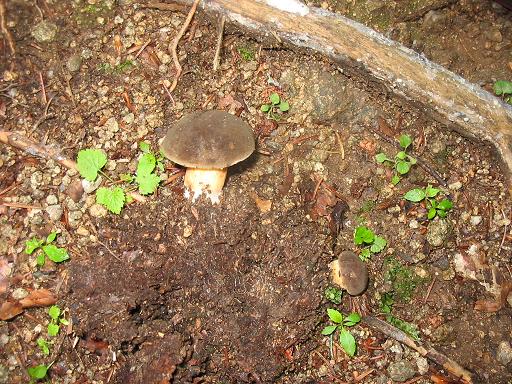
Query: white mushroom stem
[207, 181]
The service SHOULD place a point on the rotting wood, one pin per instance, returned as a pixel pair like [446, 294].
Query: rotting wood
[445, 96]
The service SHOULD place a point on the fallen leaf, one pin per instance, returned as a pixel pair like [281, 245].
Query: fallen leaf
[97, 346]
[495, 305]
[38, 298]
[384, 127]
[10, 309]
[262, 204]
[368, 146]
[229, 103]
[118, 45]
[5, 271]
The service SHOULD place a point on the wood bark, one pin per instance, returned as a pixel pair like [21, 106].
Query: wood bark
[445, 96]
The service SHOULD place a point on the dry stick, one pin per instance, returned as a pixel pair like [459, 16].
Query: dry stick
[216, 58]
[174, 45]
[430, 353]
[5, 31]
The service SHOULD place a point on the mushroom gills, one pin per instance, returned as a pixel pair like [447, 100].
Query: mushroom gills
[204, 180]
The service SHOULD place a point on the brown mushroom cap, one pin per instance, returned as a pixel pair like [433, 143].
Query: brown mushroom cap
[350, 273]
[208, 139]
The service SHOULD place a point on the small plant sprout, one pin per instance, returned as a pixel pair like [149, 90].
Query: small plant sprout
[402, 162]
[56, 319]
[428, 195]
[44, 346]
[37, 373]
[275, 107]
[54, 253]
[341, 323]
[246, 53]
[333, 294]
[371, 243]
[504, 89]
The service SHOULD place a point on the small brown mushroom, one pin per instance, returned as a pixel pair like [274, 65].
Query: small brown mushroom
[350, 273]
[207, 143]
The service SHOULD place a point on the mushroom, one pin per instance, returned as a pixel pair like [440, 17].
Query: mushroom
[350, 273]
[207, 143]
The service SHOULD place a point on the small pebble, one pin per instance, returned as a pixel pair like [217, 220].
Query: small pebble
[475, 220]
[19, 293]
[504, 353]
[414, 224]
[97, 210]
[455, 186]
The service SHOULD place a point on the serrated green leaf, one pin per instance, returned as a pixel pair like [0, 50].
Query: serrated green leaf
[445, 205]
[51, 237]
[347, 342]
[89, 162]
[265, 108]
[43, 345]
[415, 195]
[395, 179]
[38, 372]
[112, 198]
[55, 254]
[32, 244]
[329, 330]
[381, 158]
[352, 319]
[401, 155]
[335, 315]
[54, 312]
[502, 87]
[402, 167]
[274, 98]
[284, 106]
[144, 146]
[147, 183]
[53, 329]
[379, 243]
[40, 260]
[431, 191]
[405, 141]
[365, 254]
[146, 164]
[363, 235]
[431, 213]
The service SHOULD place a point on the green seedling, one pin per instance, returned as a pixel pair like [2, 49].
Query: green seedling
[56, 319]
[429, 194]
[341, 323]
[276, 107]
[44, 346]
[38, 372]
[117, 69]
[401, 278]
[333, 294]
[504, 89]
[402, 162]
[246, 53]
[386, 305]
[371, 243]
[54, 253]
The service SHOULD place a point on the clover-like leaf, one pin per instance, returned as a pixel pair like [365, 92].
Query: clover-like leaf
[51, 237]
[54, 312]
[43, 345]
[55, 254]
[405, 141]
[40, 260]
[381, 158]
[365, 254]
[402, 167]
[146, 164]
[144, 146]
[379, 243]
[347, 341]
[415, 195]
[431, 213]
[265, 108]
[89, 162]
[38, 372]
[112, 198]
[284, 106]
[53, 329]
[395, 179]
[274, 98]
[363, 235]
[445, 205]
[32, 244]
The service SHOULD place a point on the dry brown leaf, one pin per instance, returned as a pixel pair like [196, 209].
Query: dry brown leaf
[495, 305]
[262, 204]
[10, 309]
[38, 298]
[5, 271]
[118, 45]
[368, 146]
[96, 346]
[228, 102]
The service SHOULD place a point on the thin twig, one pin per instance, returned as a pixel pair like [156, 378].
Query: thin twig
[19, 205]
[142, 48]
[429, 290]
[46, 116]
[5, 31]
[216, 58]
[342, 149]
[173, 47]
[43, 89]
[504, 233]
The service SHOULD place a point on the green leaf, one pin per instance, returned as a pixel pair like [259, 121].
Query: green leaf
[147, 183]
[144, 146]
[395, 179]
[32, 244]
[411, 159]
[43, 345]
[333, 294]
[347, 341]
[379, 243]
[38, 372]
[431, 213]
[112, 198]
[274, 98]
[363, 235]
[415, 195]
[89, 162]
[442, 214]
[51, 237]
[265, 108]
[381, 158]
[335, 316]
[55, 254]
[409, 328]
[402, 167]
[431, 192]
[502, 87]
[365, 254]
[386, 302]
[352, 319]
[284, 106]
[401, 155]
[405, 141]
[146, 164]
[53, 329]
[445, 205]
[54, 312]
[126, 177]
[40, 260]
[64, 321]
[328, 330]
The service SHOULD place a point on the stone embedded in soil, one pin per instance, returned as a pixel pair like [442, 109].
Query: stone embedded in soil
[54, 212]
[401, 371]
[73, 63]
[438, 232]
[504, 353]
[44, 32]
[97, 211]
[475, 220]
[91, 186]
[19, 293]
[4, 374]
